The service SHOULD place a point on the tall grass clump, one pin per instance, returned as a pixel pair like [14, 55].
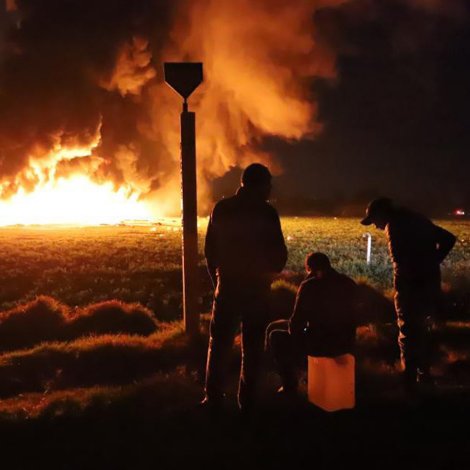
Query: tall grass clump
[93, 360]
[45, 319]
[112, 317]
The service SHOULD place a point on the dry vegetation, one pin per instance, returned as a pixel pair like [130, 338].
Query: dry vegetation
[79, 366]
[72, 349]
[129, 401]
[46, 319]
[79, 266]
[90, 361]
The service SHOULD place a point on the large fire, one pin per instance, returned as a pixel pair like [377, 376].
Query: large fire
[47, 191]
[76, 200]
[87, 74]
[68, 68]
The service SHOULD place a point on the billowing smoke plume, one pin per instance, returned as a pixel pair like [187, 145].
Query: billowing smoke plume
[82, 92]
[260, 59]
[81, 89]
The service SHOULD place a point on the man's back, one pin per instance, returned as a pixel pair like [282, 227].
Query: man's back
[417, 248]
[244, 240]
[327, 305]
[244, 246]
[413, 244]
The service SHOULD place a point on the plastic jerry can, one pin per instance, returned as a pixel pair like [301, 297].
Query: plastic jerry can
[331, 382]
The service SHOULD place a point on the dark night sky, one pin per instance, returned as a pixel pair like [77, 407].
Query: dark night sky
[397, 119]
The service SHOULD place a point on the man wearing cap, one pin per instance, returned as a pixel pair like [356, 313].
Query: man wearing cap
[244, 249]
[417, 247]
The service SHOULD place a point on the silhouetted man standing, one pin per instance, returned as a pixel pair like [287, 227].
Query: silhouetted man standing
[417, 247]
[244, 249]
[323, 322]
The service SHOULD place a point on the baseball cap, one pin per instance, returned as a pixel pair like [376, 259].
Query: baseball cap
[377, 207]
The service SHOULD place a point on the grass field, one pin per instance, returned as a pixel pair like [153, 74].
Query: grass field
[90, 382]
[79, 266]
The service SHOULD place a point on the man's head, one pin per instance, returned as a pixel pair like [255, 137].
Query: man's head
[257, 179]
[317, 264]
[378, 212]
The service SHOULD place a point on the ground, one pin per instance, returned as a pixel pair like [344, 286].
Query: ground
[156, 425]
[131, 402]
[81, 265]
[83, 392]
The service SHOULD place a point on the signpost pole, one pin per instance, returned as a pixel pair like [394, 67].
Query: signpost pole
[189, 220]
[184, 78]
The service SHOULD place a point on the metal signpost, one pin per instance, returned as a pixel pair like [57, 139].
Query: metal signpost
[184, 78]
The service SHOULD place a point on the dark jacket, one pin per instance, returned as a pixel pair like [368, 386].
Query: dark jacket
[417, 247]
[244, 241]
[324, 315]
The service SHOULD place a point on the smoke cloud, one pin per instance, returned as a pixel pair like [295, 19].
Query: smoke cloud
[81, 87]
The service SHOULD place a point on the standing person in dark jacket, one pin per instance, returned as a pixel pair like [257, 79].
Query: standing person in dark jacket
[417, 247]
[244, 249]
[323, 322]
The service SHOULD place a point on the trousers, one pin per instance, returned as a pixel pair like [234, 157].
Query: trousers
[234, 308]
[287, 353]
[415, 306]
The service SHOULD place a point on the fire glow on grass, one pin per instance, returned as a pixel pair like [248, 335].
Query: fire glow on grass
[76, 200]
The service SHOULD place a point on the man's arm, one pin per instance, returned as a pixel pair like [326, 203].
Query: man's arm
[397, 244]
[445, 243]
[210, 250]
[278, 249]
[353, 300]
[299, 319]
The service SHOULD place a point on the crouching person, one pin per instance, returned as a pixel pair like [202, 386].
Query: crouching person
[322, 324]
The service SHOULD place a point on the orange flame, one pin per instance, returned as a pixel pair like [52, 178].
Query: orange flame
[72, 199]
[259, 59]
[77, 201]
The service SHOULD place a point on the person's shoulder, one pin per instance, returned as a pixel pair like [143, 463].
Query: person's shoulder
[405, 220]
[224, 205]
[226, 201]
[263, 208]
[344, 279]
[406, 215]
[270, 209]
[309, 284]
[348, 283]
